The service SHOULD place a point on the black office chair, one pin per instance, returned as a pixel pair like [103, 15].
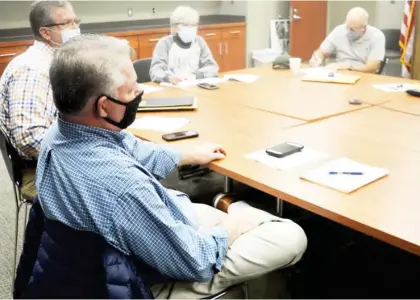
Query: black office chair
[142, 68]
[382, 66]
[392, 39]
[14, 166]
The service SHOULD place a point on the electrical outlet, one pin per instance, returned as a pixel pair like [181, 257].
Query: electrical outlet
[130, 12]
[153, 10]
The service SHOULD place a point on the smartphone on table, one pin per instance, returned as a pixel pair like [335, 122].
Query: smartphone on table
[208, 86]
[284, 149]
[175, 136]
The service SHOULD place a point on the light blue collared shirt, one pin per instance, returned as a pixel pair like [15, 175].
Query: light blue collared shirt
[107, 182]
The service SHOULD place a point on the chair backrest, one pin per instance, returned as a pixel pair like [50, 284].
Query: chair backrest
[142, 68]
[392, 38]
[382, 66]
[11, 158]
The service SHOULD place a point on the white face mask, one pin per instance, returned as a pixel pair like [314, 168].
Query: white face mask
[187, 34]
[67, 34]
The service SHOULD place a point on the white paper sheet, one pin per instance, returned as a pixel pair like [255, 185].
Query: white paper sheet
[393, 87]
[162, 124]
[150, 88]
[247, 78]
[188, 83]
[305, 156]
[344, 182]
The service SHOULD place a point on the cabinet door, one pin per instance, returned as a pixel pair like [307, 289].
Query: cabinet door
[233, 48]
[213, 38]
[7, 54]
[147, 44]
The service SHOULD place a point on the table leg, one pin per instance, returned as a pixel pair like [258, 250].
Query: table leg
[279, 207]
[228, 188]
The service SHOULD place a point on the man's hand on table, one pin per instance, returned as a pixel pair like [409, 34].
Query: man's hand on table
[203, 155]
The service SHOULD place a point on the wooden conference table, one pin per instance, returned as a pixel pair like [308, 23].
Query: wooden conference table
[387, 209]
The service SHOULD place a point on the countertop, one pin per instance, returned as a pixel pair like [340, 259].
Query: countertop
[21, 34]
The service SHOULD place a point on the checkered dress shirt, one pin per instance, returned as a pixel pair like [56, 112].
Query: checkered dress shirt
[107, 182]
[26, 102]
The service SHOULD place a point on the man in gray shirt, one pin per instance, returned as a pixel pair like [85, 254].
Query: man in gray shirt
[355, 45]
[183, 55]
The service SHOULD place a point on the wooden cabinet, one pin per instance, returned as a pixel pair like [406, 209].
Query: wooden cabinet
[226, 42]
[233, 48]
[147, 43]
[228, 47]
[213, 38]
[7, 53]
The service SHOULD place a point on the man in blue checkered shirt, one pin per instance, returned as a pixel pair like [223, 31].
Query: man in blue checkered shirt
[93, 175]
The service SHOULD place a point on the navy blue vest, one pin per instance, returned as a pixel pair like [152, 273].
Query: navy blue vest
[60, 262]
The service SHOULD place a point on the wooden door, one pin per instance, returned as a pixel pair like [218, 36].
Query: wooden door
[308, 26]
[233, 48]
[147, 44]
[213, 38]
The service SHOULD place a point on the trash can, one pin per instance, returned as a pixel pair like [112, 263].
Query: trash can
[263, 57]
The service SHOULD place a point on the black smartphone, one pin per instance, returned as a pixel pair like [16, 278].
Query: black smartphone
[208, 86]
[284, 149]
[175, 136]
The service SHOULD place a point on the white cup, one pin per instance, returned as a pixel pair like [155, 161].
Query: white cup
[294, 63]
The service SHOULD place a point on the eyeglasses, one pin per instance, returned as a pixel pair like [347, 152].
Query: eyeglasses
[73, 23]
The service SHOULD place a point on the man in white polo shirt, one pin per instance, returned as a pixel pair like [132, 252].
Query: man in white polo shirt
[355, 45]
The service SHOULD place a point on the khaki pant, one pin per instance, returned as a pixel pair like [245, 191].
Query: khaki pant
[28, 188]
[276, 243]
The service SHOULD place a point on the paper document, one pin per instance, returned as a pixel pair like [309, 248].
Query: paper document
[305, 156]
[355, 175]
[150, 88]
[317, 70]
[162, 124]
[394, 87]
[247, 78]
[188, 83]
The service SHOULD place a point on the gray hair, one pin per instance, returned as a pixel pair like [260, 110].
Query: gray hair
[359, 14]
[41, 13]
[85, 67]
[184, 14]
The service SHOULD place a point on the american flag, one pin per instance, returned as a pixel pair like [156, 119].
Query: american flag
[407, 37]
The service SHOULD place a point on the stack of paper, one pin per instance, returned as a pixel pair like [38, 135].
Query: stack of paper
[305, 156]
[350, 175]
[150, 88]
[188, 83]
[247, 78]
[162, 124]
[393, 87]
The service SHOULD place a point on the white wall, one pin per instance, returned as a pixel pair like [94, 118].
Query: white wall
[236, 8]
[389, 14]
[14, 14]
[384, 14]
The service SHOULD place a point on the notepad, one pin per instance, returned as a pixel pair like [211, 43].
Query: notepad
[170, 103]
[247, 78]
[395, 87]
[150, 88]
[163, 124]
[305, 156]
[344, 183]
[336, 78]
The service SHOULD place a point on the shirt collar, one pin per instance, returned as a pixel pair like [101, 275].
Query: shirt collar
[44, 47]
[76, 131]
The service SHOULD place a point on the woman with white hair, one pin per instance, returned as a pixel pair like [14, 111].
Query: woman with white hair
[183, 55]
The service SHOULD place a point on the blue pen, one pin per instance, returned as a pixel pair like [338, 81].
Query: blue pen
[345, 173]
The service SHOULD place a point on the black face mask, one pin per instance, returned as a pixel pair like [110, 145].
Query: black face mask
[130, 111]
